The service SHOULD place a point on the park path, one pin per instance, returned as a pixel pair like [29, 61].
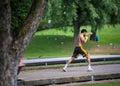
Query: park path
[74, 74]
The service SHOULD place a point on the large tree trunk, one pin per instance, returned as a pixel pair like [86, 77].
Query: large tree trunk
[78, 22]
[5, 40]
[12, 47]
[76, 30]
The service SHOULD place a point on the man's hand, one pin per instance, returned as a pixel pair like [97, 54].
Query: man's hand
[86, 37]
[89, 33]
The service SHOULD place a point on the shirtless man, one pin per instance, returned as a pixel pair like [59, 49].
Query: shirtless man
[82, 38]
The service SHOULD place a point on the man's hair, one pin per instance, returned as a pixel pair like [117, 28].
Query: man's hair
[83, 30]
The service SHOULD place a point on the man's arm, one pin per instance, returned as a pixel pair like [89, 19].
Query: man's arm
[89, 33]
[83, 39]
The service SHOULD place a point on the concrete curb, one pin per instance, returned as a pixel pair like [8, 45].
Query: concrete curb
[69, 80]
[63, 60]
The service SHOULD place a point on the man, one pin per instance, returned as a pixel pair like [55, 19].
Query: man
[81, 39]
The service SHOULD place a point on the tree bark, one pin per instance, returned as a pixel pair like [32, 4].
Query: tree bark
[12, 47]
[76, 30]
[78, 22]
[5, 40]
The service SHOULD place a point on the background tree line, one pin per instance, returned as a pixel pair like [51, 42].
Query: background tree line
[95, 13]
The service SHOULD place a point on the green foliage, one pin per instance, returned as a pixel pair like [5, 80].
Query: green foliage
[115, 17]
[53, 10]
[96, 13]
[20, 9]
[62, 11]
[43, 25]
[105, 9]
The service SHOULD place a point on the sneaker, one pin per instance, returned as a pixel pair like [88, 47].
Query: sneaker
[64, 70]
[90, 69]
[20, 79]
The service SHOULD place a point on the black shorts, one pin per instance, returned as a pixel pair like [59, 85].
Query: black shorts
[79, 50]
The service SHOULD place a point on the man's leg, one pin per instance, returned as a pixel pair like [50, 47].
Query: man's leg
[66, 65]
[89, 65]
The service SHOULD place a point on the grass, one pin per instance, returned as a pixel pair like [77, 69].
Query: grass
[56, 42]
[110, 34]
[112, 83]
[50, 43]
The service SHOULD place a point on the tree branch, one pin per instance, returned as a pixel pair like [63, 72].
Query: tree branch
[30, 25]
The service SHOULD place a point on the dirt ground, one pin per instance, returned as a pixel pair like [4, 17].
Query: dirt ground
[105, 49]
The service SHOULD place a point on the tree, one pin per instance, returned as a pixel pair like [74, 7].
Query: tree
[19, 11]
[13, 45]
[60, 12]
[95, 13]
[108, 13]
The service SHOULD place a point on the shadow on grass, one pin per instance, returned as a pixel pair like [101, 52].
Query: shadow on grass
[50, 45]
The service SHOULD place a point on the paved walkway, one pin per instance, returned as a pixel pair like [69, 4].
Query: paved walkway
[74, 74]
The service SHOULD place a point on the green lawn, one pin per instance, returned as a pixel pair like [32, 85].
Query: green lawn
[56, 42]
[50, 43]
[113, 83]
[110, 34]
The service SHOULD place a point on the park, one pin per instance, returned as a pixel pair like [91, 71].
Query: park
[59, 43]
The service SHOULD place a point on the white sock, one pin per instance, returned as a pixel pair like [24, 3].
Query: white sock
[89, 65]
[66, 65]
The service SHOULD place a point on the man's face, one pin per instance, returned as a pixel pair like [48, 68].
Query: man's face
[85, 33]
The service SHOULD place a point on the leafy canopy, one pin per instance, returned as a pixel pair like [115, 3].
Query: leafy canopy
[88, 12]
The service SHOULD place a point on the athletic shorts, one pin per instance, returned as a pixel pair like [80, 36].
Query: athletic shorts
[79, 50]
